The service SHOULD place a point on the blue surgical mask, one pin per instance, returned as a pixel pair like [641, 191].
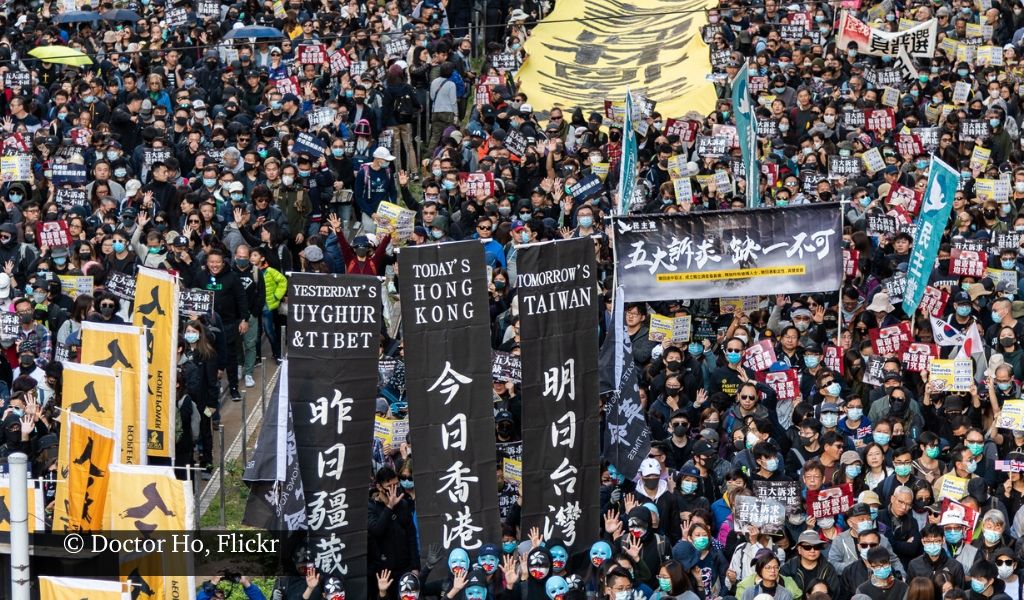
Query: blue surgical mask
[113, 154]
[60, 261]
[509, 547]
[689, 487]
[962, 72]
[834, 389]
[854, 414]
[978, 585]
[1008, 264]
[972, 466]
[865, 201]
[701, 542]
[118, 246]
[852, 471]
[62, 116]
[883, 572]
[337, 152]
[304, 174]
[237, 196]
[14, 197]
[695, 349]
[812, 360]
[191, 337]
[275, 104]
[881, 438]
[586, 221]
[771, 464]
[993, 123]
[954, 536]
[996, 317]
[733, 357]
[1004, 386]
[963, 310]
[448, 184]
[209, 182]
[524, 237]
[865, 525]
[263, 152]
[991, 536]
[406, 483]
[120, 172]
[932, 549]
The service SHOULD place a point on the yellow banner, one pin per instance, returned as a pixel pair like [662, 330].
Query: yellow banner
[35, 507]
[123, 349]
[84, 472]
[156, 311]
[69, 588]
[93, 393]
[579, 56]
[150, 500]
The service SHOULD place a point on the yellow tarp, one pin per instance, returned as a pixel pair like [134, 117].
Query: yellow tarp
[583, 63]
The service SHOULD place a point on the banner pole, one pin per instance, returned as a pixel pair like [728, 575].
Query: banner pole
[20, 580]
[223, 518]
[839, 299]
[245, 434]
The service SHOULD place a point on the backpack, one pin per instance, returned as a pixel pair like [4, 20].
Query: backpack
[404, 107]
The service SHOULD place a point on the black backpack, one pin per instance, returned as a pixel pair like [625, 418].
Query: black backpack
[405, 107]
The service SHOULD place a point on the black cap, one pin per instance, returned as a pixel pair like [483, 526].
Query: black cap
[503, 416]
[961, 298]
[180, 241]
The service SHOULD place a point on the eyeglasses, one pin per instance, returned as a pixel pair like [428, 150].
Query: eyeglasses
[106, 305]
[867, 546]
[746, 397]
[1006, 562]
[654, 455]
[193, 221]
[810, 548]
[483, 227]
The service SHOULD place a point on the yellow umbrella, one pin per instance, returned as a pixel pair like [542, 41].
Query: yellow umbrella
[61, 55]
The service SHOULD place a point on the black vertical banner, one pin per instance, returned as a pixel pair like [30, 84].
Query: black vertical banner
[446, 328]
[558, 319]
[333, 344]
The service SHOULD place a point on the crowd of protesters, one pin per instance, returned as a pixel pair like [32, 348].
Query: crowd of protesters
[234, 205]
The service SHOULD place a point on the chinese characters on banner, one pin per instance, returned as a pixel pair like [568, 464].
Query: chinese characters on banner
[916, 356]
[890, 340]
[933, 301]
[737, 253]
[557, 306]
[829, 502]
[448, 369]
[967, 263]
[759, 356]
[785, 383]
[333, 320]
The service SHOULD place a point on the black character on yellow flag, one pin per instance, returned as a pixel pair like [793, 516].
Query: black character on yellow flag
[116, 358]
[90, 400]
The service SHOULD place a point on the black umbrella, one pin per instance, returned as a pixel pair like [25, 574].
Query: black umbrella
[121, 14]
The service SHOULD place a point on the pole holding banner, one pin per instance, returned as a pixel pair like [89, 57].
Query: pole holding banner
[935, 208]
[21, 588]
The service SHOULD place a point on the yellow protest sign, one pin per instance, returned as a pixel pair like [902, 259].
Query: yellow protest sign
[152, 501]
[73, 285]
[94, 393]
[1011, 416]
[395, 221]
[512, 470]
[953, 487]
[580, 54]
[35, 506]
[951, 375]
[123, 349]
[83, 467]
[156, 311]
[72, 588]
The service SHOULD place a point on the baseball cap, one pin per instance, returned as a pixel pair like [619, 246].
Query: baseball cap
[180, 241]
[809, 538]
[650, 466]
[383, 154]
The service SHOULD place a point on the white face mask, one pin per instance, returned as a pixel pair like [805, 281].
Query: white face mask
[1004, 571]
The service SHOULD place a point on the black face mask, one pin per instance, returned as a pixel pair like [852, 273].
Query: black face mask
[26, 362]
[362, 252]
[680, 430]
[614, 136]
[672, 391]
[673, 365]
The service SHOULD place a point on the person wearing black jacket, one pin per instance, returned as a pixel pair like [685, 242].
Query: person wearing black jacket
[231, 304]
[935, 560]
[901, 527]
[199, 372]
[392, 532]
[255, 293]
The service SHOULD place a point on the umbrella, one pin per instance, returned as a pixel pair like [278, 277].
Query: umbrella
[254, 31]
[120, 14]
[61, 55]
[76, 16]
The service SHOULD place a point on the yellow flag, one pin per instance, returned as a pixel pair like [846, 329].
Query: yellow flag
[578, 56]
[35, 507]
[123, 349]
[156, 311]
[70, 588]
[94, 393]
[83, 474]
[150, 500]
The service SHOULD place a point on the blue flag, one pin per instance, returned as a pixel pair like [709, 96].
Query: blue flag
[938, 201]
[627, 164]
[746, 131]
